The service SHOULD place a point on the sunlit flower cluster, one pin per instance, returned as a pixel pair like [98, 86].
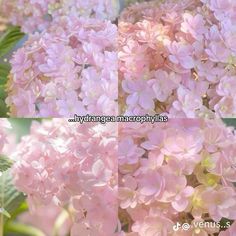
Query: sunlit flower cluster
[38, 15]
[69, 69]
[73, 166]
[178, 57]
[179, 172]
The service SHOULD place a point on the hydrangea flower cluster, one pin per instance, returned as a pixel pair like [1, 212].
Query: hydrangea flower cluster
[68, 69]
[74, 166]
[38, 15]
[178, 172]
[178, 57]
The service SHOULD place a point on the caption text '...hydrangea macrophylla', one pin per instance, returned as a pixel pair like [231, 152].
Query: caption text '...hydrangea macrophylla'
[182, 171]
[178, 57]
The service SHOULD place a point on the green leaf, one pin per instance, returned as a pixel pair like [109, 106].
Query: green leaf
[4, 71]
[10, 197]
[9, 39]
[3, 93]
[22, 229]
[3, 109]
[21, 209]
[5, 163]
[5, 213]
[225, 223]
[230, 122]
[3, 106]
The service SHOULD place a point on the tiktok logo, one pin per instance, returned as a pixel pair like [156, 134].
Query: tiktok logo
[177, 226]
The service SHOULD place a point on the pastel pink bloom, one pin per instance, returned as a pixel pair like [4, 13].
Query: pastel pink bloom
[226, 107]
[39, 15]
[22, 63]
[230, 231]
[151, 184]
[218, 52]
[215, 136]
[155, 140]
[227, 86]
[187, 171]
[70, 105]
[220, 203]
[181, 200]
[80, 228]
[163, 85]
[140, 94]
[64, 171]
[129, 152]
[62, 72]
[153, 226]
[182, 143]
[191, 48]
[195, 25]
[187, 101]
[128, 195]
[181, 54]
[209, 71]
[229, 34]
[220, 5]
[26, 101]
[133, 59]
[223, 164]
[174, 194]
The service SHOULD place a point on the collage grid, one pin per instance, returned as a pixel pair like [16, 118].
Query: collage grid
[118, 118]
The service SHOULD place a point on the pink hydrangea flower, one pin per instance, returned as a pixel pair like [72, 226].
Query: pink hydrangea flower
[230, 231]
[63, 170]
[184, 174]
[183, 51]
[62, 71]
[221, 203]
[38, 15]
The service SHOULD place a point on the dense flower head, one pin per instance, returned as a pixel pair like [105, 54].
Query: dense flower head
[37, 15]
[71, 68]
[178, 57]
[73, 166]
[182, 171]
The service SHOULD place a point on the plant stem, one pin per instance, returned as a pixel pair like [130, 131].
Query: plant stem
[15, 227]
[2, 205]
[60, 221]
[1, 224]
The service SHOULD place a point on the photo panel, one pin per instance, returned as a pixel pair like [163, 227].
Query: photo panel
[177, 178]
[58, 58]
[177, 57]
[58, 178]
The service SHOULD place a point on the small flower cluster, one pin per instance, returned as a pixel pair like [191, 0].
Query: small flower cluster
[182, 171]
[71, 68]
[73, 166]
[4, 125]
[37, 15]
[178, 57]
